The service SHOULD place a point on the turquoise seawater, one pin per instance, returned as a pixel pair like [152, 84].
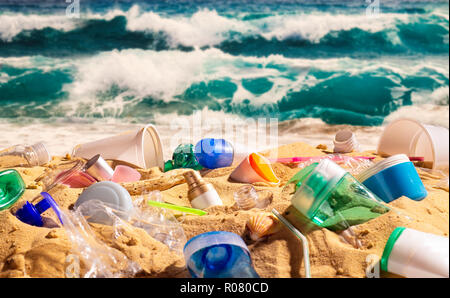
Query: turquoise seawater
[338, 61]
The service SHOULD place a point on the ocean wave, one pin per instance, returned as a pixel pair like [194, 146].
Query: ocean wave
[135, 84]
[294, 35]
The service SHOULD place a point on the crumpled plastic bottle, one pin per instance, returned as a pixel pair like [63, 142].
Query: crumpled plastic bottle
[183, 157]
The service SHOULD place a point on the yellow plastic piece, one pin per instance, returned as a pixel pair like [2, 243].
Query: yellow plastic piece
[262, 166]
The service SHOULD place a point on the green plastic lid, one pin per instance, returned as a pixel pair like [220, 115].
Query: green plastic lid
[11, 188]
[389, 246]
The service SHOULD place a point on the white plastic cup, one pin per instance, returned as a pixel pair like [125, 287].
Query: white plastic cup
[141, 147]
[345, 142]
[415, 254]
[413, 138]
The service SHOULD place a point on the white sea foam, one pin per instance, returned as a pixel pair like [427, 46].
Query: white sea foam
[207, 27]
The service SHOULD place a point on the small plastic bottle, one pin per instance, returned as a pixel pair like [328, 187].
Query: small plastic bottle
[183, 157]
[24, 156]
[201, 194]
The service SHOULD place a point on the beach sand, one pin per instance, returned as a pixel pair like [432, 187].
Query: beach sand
[27, 251]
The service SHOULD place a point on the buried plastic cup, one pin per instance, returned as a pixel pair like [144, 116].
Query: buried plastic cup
[412, 253]
[12, 187]
[31, 214]
[218, 254]
[332, 198]
[392, 178]
[110, 193]
[255, 168]
[214, 153]
[345, 142]
[413, 138]
[141, 147]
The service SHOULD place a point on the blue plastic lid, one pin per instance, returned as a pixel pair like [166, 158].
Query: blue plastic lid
[31, 214]
[214, 153]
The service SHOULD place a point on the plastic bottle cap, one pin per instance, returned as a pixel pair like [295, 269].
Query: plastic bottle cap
[382, 165]
[389, 246]
[12, 187]
[31, 214]
[42, 154]
[210, 239]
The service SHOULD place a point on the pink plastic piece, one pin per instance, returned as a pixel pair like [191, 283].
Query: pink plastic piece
[125, 174]
[78, 179]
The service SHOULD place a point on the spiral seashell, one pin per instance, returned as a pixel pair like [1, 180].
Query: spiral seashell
[246, 197]
[262, 225]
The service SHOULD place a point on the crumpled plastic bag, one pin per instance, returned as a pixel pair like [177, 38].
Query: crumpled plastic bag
[159, 223]
[96, 258]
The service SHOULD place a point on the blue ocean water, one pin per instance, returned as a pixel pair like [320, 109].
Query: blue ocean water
[334, 60]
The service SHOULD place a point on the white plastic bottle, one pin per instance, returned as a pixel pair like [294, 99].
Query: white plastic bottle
[414, 254]
[201, 194]
[24, 156]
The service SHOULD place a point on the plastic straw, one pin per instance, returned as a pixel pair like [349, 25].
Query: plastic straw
[177, 208]
[299, 236]
[306, 158]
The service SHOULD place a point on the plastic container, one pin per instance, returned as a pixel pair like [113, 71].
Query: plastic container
[413, 138]
[183, 157]
[24, 156]
[31, 214]
[345, 142]
[218, 254]
[110, 193]
[214, 153]
[12, 188]
[392, 178]
[141, 147]
[255, 168]
[201, 194]
[332, 198]
[416, 254]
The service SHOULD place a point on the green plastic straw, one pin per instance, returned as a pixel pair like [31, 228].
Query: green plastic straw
[177, 208]
[299, 236]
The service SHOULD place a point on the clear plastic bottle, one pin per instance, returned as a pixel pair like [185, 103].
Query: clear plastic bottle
[24, 156]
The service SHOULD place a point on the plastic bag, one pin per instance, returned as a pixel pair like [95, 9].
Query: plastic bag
[159, 223]
[97, 259]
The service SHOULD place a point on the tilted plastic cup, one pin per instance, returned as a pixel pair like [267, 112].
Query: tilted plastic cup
[392, 178]
[218, 254]
[332, 198]
[413, 138]
[141, 147]
[255, 168]
[416, 254]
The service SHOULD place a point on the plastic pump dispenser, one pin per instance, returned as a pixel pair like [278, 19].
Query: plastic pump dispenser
[22, 155]
[201, 194]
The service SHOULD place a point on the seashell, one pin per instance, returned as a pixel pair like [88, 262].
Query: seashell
[262, 225]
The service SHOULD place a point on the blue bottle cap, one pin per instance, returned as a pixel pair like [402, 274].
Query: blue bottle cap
[214, 153]
[31, 214]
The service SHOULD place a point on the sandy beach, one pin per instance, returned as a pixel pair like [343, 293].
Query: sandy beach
[28, 251]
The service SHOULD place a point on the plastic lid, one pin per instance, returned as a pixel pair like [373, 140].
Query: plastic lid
[210, 239]
[382, 165]
[12, 187]
[42, 154]
[389, 246]
[31, 214]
